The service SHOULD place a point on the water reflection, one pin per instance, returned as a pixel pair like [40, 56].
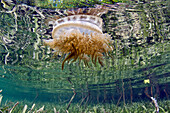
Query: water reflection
[141, 42]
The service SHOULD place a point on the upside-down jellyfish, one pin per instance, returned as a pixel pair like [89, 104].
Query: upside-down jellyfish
[79, 35]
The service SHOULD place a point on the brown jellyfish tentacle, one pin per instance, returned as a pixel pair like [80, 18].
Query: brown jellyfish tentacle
[76, 53]
[92, 11]
[100, 61]
[80, 10]
[72, 54]
[70, 12]
[95, 58]
[92, 58]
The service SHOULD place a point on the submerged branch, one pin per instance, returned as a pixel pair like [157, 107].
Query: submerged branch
[73, 94]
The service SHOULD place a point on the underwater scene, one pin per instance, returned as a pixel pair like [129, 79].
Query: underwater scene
[85, 56]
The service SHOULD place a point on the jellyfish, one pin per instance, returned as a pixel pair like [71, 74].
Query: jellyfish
[79, 35]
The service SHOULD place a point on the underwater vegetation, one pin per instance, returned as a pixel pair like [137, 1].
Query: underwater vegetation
[23, 47]
[11, 107]
[135, 107]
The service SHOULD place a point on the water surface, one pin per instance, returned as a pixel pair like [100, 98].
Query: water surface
[140, 60]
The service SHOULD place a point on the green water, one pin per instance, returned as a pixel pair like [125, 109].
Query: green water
[29, 73]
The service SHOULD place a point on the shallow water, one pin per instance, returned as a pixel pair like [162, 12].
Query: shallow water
[140, 62]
